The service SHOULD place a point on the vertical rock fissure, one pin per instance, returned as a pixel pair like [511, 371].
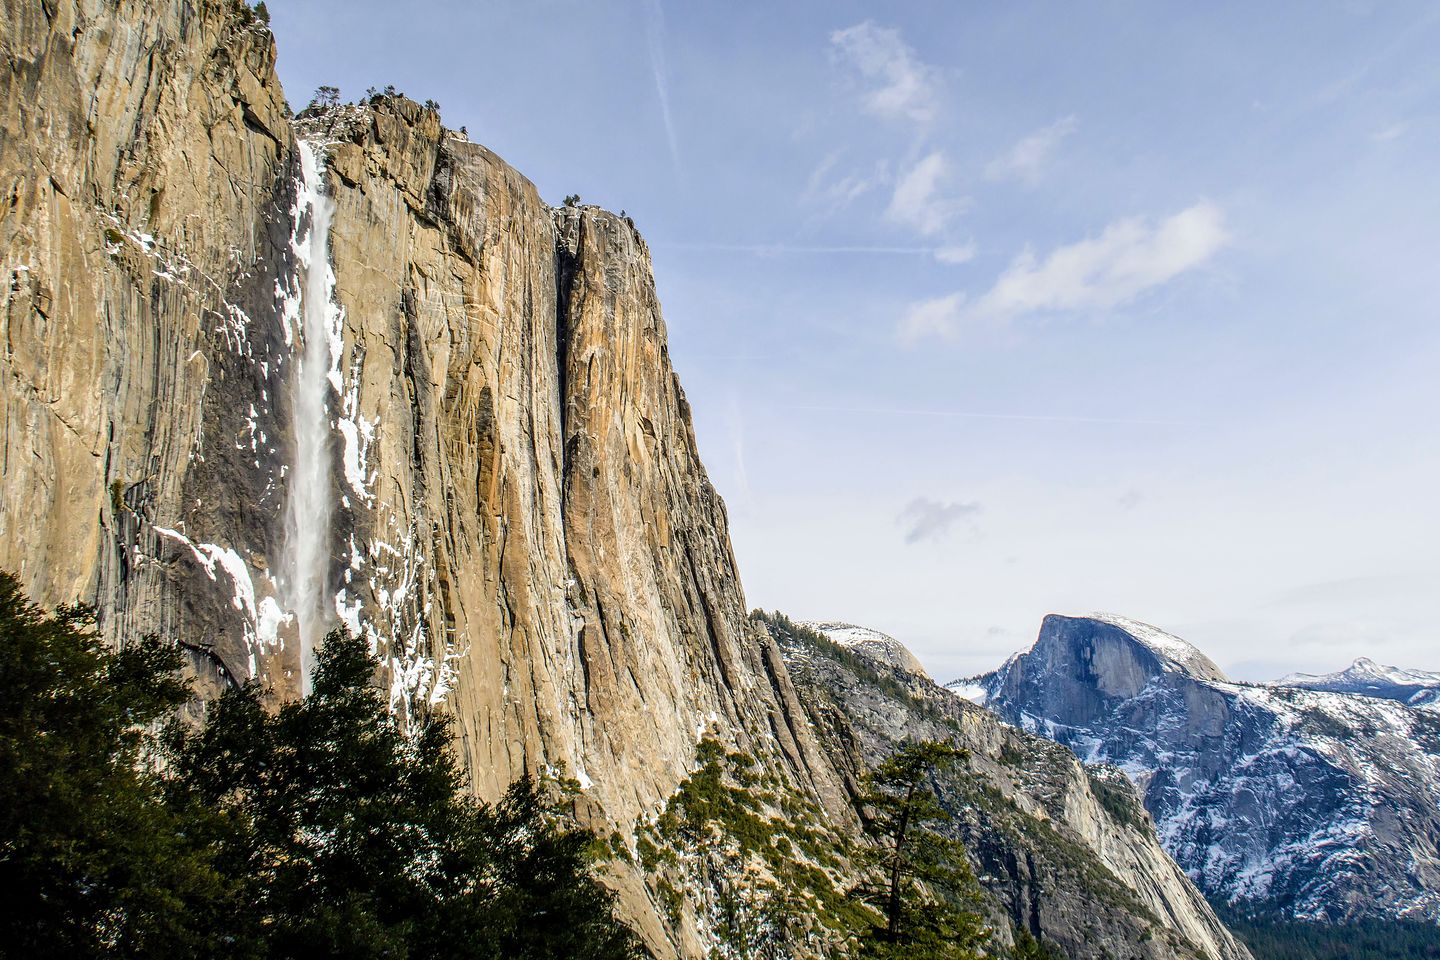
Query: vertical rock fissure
[566, 263]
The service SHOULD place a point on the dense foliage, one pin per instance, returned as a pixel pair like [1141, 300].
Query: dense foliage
[91, 858]
[318, 830]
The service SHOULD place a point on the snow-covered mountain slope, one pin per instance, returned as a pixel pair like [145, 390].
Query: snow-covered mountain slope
[1061, 850]
[1302, 801]
[1418, 688]
[870, 643]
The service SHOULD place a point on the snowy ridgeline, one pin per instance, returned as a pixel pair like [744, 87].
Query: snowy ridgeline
[1418, 688]
[1316, 797]
[871, 643]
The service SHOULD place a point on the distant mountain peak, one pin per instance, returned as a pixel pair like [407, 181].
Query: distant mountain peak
[1172, 652]
[1371, 678]
[1314, 797]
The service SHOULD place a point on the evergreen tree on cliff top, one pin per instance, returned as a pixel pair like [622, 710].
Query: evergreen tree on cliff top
[319, 830]
[921, 882]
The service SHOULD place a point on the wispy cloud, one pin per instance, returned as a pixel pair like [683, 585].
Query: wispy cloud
[834, 190]
[927, 519]
[655, 40]
[901, 86]
[957, 253]
[918, 201]
[1027, 159]
[937, 317]
[1129, 258]
[1393, 132]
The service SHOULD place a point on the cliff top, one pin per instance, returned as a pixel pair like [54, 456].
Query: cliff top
[1172, 652]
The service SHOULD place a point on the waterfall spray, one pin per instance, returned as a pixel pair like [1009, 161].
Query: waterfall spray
[310, 506]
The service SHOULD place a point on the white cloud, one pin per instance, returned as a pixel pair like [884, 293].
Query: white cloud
[1129, 258]
[958, 253]
[1027, 158]
[902, 87]
[1392, 132]
[940, 317]
[917, 202]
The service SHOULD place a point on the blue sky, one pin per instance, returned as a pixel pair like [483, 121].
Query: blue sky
[993, 310]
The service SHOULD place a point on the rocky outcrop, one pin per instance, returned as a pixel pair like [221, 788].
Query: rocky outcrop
[1306, 803]
[1063, 852]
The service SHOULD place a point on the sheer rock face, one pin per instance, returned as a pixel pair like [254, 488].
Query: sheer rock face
[145, 164]
[510, 361]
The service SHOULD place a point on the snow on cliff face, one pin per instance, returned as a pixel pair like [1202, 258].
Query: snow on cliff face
[1301, 797]
[1171, 649]
[871, 643]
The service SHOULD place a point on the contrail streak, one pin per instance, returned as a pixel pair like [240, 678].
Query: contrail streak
[767, 249]
[969, 415]
[655, 36]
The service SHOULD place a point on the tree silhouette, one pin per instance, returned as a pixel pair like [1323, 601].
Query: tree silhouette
[320, 829]
[92, 862]
[358, 841]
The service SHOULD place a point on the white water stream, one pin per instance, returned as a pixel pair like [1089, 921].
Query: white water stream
[310, 504]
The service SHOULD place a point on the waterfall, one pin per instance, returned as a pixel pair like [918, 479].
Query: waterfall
[310, 493]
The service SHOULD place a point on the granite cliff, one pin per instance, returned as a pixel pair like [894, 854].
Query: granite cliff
[265, 373]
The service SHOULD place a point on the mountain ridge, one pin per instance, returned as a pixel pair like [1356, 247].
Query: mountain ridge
[1303, 803]
[1026, 811]
[1418, 688]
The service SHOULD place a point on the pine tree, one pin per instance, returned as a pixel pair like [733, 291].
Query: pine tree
[921, 882]
[358, 841]
[92, 863]
[317, 830]
[1029, 947]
